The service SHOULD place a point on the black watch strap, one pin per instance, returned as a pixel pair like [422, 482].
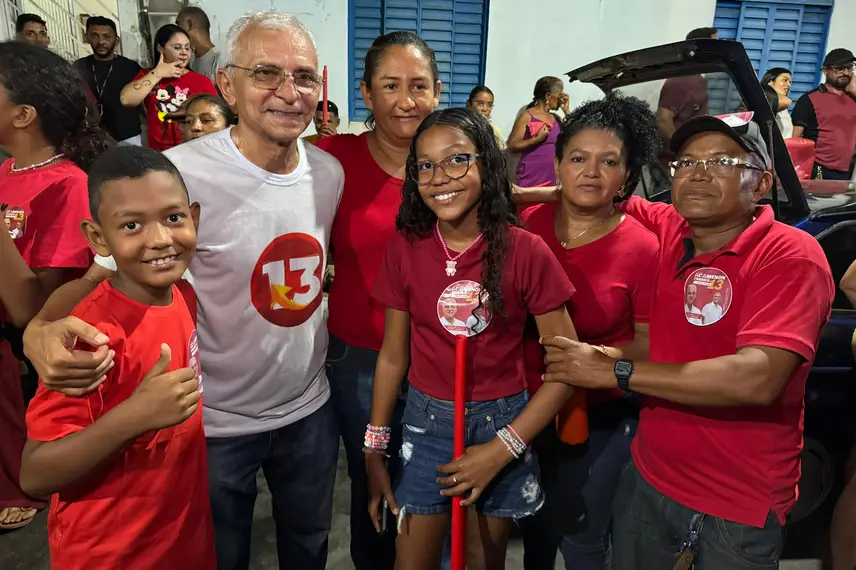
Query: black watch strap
[623, 370]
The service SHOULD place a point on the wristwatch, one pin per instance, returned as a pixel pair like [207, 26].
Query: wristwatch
[623, 371]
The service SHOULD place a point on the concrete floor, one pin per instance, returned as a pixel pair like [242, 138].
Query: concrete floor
[26, 549]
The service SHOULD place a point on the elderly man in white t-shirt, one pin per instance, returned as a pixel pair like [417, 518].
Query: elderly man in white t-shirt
[268, 203]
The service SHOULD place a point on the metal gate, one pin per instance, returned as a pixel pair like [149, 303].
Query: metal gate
[65, 21]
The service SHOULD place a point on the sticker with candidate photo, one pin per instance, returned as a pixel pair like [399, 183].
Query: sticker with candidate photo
[16, 221]
[193, 361]
[459, 311]
[707, 296]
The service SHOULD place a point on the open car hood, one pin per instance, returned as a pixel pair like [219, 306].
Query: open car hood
[694, 57]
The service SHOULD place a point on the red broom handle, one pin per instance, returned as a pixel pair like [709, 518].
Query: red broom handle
[459, 513]
[326, 114]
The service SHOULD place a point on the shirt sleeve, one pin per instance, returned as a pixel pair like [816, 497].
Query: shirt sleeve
[671, 96]
[643, 290]
[788, 303]
[804, 114]
[53, 415]
[389, 288]
[652, 215]
[544, 283]
[60, 242]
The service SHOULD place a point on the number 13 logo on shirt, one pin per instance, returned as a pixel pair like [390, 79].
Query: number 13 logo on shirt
[286, 284]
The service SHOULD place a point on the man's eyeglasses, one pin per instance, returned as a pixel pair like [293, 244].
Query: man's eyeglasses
[455, 167]
[272, 78]
[842, 68]
[721, 167]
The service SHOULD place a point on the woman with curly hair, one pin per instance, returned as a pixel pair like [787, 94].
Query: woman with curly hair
[43, 199]
[610, 258]
[460, 263]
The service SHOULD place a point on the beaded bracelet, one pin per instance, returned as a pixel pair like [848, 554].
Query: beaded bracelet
[505, 438]
[512, 440]
[377, 438]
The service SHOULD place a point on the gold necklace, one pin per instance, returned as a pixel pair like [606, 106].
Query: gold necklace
[587, 230]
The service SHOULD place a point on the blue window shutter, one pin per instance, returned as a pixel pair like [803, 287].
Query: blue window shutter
[455, 30]
[366, 23]
[775, 34]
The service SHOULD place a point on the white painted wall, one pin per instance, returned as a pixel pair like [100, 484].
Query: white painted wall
[841, 30]
[524, 45]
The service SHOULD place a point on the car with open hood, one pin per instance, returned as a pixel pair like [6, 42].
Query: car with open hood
[825, 209]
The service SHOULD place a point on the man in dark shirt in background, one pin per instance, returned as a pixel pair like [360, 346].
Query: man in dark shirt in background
[106, 73]
[827, 115]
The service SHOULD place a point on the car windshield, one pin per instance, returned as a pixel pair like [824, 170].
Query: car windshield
[678, 99]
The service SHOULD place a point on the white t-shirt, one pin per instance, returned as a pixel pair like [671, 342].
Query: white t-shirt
[786, 124]
[259, 265]
[711, 313]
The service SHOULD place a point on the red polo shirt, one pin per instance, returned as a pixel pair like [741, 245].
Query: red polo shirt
[365, 222]
[772, 287]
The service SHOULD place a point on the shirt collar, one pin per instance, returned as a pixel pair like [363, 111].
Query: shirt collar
[740, 245]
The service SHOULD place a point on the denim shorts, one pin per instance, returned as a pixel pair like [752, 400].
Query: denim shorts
[428, 443]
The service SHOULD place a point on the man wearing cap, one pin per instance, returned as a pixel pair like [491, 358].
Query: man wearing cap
[827, 115]
[716, 455]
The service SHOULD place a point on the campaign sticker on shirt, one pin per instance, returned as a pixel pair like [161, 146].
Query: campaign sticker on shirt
[16, 221]
[459, 311]
[193, 361]
[707, 296]
[285, 287]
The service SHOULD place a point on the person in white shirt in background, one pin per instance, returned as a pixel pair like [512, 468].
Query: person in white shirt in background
[779, 80]
[712, 312]
[270, 201]
[206, 58]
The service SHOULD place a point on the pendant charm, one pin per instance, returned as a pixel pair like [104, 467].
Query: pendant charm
[450, 267]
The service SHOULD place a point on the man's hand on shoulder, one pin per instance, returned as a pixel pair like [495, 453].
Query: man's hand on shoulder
[62, 368]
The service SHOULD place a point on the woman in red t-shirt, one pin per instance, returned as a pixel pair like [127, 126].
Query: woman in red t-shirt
[611, 260]
[461, 265]
[43, 199]
[165, 88]
[374, 164]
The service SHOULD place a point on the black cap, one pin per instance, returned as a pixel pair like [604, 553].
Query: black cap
[838, 57]
[739, 126]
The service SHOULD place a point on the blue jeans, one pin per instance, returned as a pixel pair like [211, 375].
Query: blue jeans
[580, 482]
[649, 528]
[428, 442]
[299, 465]
[350, 370]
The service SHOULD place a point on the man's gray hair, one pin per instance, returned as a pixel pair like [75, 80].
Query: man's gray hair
[269, 20]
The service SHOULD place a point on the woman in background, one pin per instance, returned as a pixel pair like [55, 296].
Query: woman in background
[610, 259]
[481, 100]
[43, 199]
[779, 80]
[166, 87]
[535, 131]
[202, 115]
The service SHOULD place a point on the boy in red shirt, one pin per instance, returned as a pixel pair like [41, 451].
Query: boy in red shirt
[126, 464]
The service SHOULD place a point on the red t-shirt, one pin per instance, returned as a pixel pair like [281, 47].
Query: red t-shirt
[148, 506]
[44, 209]
[613, 277]
[413, 278]
[365, 222]
[166, 97]
[774, 289]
